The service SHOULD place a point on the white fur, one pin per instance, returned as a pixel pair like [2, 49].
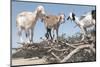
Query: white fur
[26, 22]
[84, 23]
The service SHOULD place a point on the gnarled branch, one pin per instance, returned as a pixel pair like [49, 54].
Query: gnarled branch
[75, 51]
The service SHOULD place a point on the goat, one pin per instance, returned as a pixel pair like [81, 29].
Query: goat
[25, 21]
[52, 23]
[85, 21]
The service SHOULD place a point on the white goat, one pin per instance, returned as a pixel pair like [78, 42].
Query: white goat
[52, 23]
[26, 22]
[85, 21]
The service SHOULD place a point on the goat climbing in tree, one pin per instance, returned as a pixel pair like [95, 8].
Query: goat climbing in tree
[52, 24]
[84, 22]
[26, 22]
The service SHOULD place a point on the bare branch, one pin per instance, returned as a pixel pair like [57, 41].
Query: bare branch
[20, 43]
[75, 51]
[56, 56]
[69, 44]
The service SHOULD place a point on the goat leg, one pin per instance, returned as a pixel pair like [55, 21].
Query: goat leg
[20, 35]
[31, 36]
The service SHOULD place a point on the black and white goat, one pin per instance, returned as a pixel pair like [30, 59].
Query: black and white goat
[84, 22]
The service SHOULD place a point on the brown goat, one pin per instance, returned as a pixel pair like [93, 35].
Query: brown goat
[52, 23]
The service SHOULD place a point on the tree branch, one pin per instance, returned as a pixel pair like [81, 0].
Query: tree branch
[75, 51]
[56, 56]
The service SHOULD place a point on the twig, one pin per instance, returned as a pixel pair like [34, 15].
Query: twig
[20, 43]
[46, 47]
[59, 49]
[77, 44]
[91, 47]
[69, 44]
[56, 56]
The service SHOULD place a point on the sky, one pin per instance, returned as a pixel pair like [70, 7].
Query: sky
[50, 8]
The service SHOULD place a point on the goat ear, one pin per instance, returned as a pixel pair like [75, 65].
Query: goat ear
[68, 18]
[73, 16]
[93, 12]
